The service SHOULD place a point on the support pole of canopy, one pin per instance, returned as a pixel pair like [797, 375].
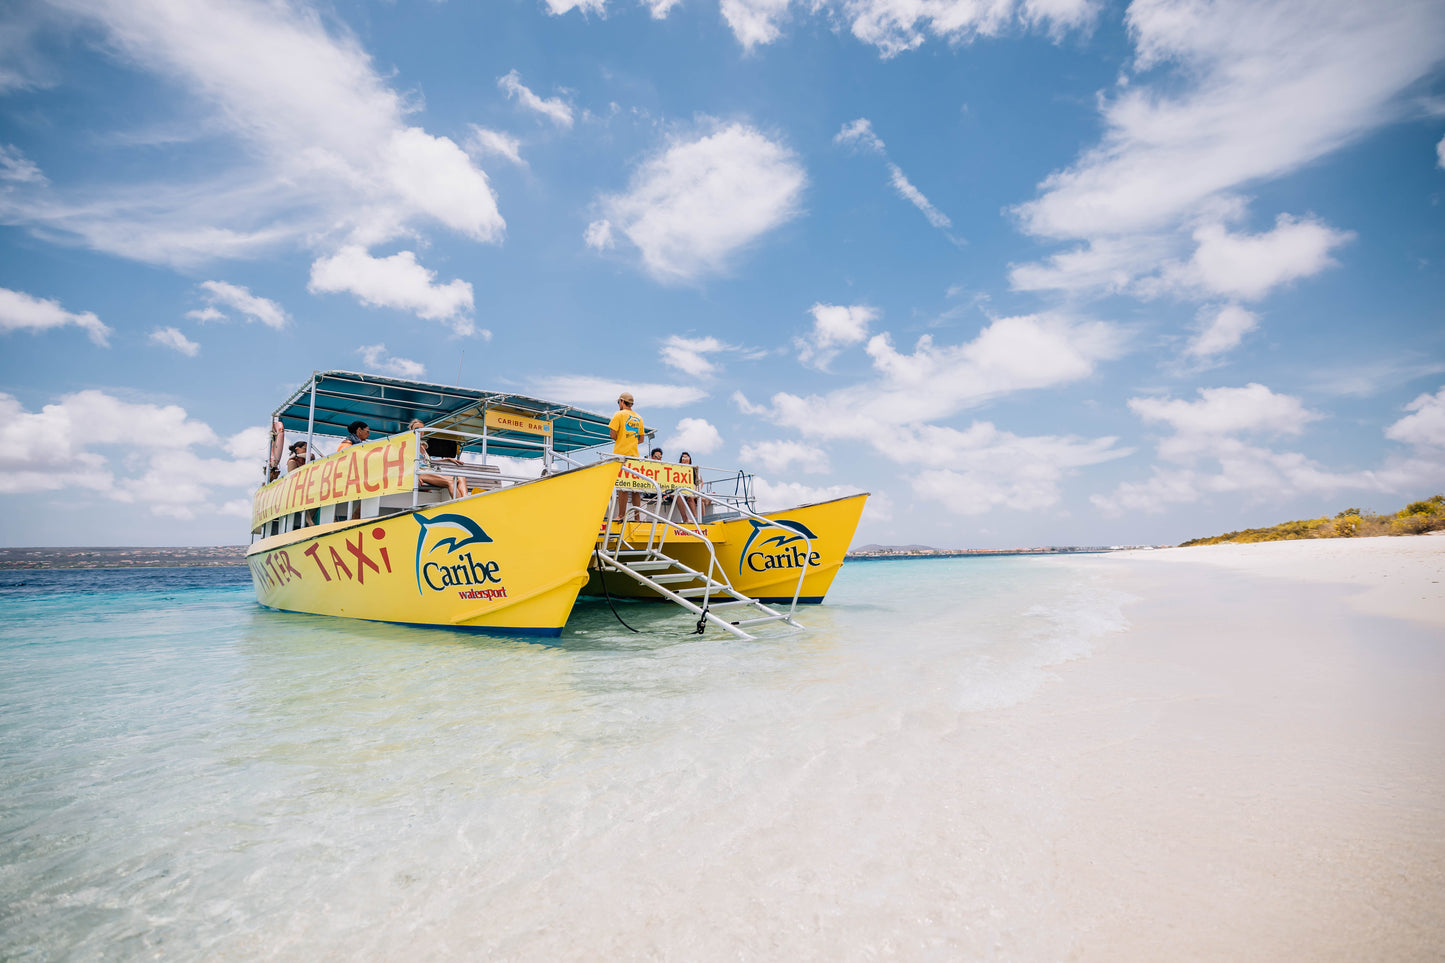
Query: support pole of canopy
[311, 422]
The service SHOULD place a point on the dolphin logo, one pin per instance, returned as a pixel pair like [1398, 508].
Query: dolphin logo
[779, 540]
[471, 534]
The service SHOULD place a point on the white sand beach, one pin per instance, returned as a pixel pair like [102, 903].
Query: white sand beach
[1256, 769]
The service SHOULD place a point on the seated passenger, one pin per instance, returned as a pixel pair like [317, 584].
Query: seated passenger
[692, 505]
[454, 484]
[356, 433]
[299, 456]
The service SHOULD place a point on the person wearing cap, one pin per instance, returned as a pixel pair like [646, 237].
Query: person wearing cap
[627, 431]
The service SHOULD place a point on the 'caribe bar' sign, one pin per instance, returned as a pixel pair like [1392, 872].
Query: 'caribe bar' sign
[499, 419]
[383, 467]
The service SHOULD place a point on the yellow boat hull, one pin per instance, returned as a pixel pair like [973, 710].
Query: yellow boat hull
[761, 562]
[510, 561]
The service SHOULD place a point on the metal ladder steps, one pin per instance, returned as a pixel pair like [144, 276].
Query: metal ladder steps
[649, 566]
[766, 618]
[715, 590]
[669, 579]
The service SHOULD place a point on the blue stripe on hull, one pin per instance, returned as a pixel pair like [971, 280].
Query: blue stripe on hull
[479, 629]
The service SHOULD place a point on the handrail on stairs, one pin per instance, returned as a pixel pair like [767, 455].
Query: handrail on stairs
[769, 523]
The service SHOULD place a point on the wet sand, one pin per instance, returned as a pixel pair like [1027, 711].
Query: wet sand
[1256, 769]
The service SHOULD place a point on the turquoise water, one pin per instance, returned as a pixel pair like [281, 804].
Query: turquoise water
[186, 775]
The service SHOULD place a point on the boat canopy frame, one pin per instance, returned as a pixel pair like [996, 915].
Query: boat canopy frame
[330, 400]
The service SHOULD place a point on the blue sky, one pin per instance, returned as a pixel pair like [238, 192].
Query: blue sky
[1030, 271]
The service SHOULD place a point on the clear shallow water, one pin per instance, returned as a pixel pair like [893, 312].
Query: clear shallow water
[184, 774]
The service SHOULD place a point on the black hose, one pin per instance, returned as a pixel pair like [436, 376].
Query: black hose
[602, 577]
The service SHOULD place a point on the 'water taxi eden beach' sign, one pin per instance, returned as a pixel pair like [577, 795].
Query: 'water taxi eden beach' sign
[666, 474]
[383, 467]
[511, 421]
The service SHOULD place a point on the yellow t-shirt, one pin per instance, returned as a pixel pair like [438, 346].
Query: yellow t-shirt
[628, 425]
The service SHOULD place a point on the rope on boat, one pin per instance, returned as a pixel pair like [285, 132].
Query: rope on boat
[602, 577]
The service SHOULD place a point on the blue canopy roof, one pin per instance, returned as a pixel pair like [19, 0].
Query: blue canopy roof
[387, 405]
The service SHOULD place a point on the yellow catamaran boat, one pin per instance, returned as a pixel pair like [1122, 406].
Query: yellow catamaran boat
[359, 533]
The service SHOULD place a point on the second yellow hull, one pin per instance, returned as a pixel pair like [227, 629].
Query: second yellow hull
[761, 562]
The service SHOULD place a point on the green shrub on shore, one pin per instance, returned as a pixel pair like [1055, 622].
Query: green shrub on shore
[1415, 518]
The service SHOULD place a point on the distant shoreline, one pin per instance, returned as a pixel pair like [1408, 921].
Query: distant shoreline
[86, 557]
[993, 552]
[120, 556]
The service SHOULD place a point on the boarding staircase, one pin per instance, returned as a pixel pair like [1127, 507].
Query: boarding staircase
[708, 595]
[712, 600]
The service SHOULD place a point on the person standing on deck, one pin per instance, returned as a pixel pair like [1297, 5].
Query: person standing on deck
[627, 431]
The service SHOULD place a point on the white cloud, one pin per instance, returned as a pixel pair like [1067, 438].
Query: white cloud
[778, 456]
[398, 282]
[914, 196]
[693, 206]
[1248, 266]
[1105, 265]
[772, 496]
[149, 460]
[1221, 411]
[1223, 331]
[980, 468]
[859, 133]
[1205, 433]
[1268, 89]
[240, 299]
[601, 393]
[375, 358]
[554, 109]
[249, 443]
[972, 469]
[1226, 95]
[835, 327]
[1362, 377]
[894, 26]
[697, 436]
[1426, 426]
[559, 7]
[936, 382]
[207, 314]
[1440, 153]
[690, 355]
[17, 168]
[173, 339]
[494, 143]
[754, 22]
[318, 140]
[598, 235]
[24, 312]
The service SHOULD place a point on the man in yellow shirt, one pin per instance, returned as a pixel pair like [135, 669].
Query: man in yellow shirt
[627, 430]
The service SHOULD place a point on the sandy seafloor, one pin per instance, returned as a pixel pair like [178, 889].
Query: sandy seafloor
[1226, 753]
